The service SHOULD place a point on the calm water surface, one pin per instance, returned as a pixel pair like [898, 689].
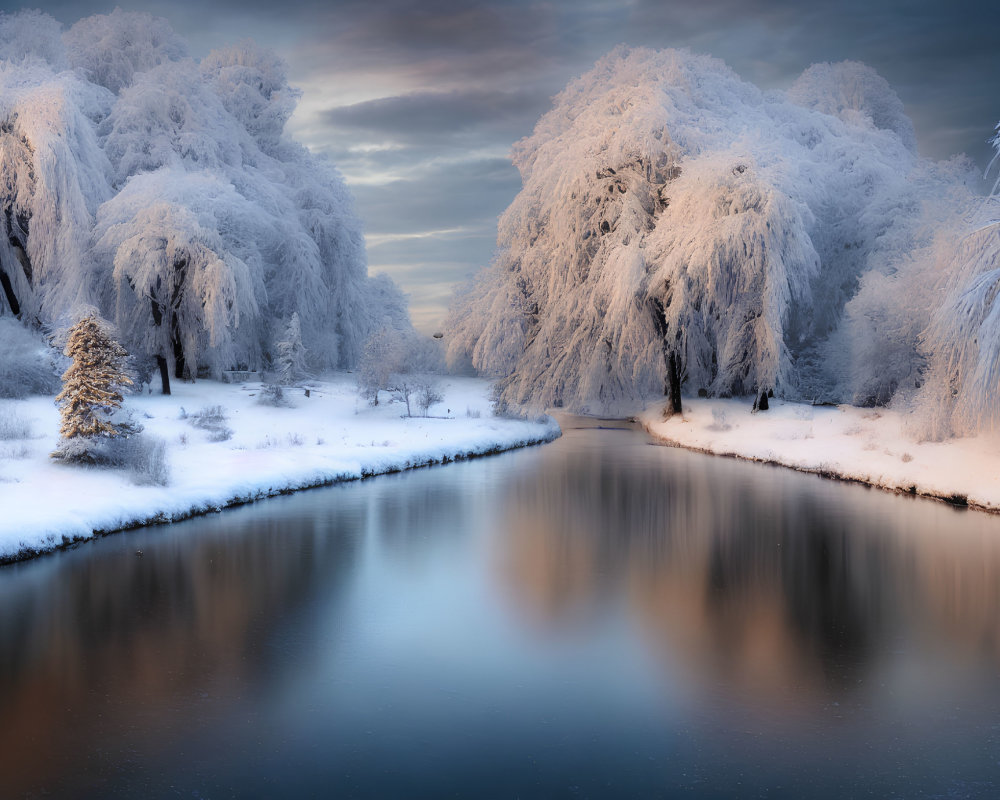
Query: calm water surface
[598, 617]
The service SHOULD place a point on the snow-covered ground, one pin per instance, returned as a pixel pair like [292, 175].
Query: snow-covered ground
[867, 445]
[329, 436]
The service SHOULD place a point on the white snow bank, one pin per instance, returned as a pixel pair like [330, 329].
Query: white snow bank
[860, 444]
[332, 435]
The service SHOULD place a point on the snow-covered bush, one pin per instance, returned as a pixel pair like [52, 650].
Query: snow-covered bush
[27, 365]
[679, 229]
[12, 425]
[271, 394]
[212, 419]
[143, 457]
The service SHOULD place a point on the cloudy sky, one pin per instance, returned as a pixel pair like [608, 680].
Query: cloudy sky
[419, 101]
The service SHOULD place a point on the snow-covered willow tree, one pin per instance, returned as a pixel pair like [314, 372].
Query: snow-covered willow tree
[184, 290]
[53, 173]
[166, 191]
[961, 388]
[679, 229]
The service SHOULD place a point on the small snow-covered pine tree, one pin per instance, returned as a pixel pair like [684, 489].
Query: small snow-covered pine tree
[91, 387]
[291, 353]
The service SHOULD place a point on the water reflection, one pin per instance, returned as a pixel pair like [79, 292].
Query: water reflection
[599, 616]
[111, 645]
[753, 577]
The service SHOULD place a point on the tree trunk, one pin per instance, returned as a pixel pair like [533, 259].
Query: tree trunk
[8, 290]
[672, 383]
[175, 339]
[161, 362]
[760, 403]
[181, 370]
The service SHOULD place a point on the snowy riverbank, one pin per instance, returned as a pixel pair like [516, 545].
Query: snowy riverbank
[332, 435]
[859, 444]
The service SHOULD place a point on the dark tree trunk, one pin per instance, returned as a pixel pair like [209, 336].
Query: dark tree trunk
[161, 362]
[178, 349]
[761, 404]
[22, 258]
[8, 290]
[181, 370]
[672, 383]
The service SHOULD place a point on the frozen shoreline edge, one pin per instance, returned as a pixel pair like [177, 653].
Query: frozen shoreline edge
[956, 500]
[162, 518]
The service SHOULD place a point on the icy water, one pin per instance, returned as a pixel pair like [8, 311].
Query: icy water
[598, 617]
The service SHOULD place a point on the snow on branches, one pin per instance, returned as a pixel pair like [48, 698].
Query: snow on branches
[166, 192]
[92, 385]
[680, 230]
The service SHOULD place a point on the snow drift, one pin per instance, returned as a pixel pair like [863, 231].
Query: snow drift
[679, 229]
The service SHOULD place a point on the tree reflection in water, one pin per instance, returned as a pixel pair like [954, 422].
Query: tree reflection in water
[782, 587]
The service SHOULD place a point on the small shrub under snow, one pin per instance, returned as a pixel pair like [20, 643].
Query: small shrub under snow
[12, 425]
[27, 365]
[212, 419]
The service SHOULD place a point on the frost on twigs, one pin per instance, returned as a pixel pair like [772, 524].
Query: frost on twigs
[212, 419]
[271, 394]
[404, 364]
[13, 426]
[92, 390]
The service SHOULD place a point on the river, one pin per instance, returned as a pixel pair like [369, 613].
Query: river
[597, 617]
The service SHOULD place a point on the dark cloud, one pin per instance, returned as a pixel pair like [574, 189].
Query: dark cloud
[419, 116]
[439, 197]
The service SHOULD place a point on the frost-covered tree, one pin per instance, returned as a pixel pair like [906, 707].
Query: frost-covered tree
[181, 294]
[92, 387]
[380, 359]
[168, 193]
[855, 93]
[961, 389]
[110, 49]
[401, 362]
[680, 230]
[53, 175]
[428, 394]
[31, 35]
[732, 259]
[289, 353]
[252, 83]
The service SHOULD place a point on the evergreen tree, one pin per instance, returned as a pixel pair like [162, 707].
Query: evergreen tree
[91, 387]
[290, 357]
